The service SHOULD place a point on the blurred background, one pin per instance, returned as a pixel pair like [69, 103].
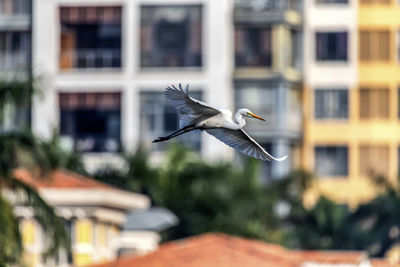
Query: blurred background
[81, 99]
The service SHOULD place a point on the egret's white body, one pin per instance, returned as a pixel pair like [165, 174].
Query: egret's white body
[196, 115]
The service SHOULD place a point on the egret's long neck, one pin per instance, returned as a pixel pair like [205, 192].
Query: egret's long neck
[239, 120]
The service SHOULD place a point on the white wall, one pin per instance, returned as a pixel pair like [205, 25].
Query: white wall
[330, 17]
[214, 78]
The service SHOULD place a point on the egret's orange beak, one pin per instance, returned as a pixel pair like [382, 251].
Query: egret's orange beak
[255, 116]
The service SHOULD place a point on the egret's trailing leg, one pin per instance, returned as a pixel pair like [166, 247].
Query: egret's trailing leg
[185, 129]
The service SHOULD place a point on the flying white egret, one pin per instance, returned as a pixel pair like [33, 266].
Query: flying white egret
[197, 115]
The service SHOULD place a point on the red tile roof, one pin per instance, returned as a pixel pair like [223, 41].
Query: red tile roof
[381, 263]
[61, 179]
[330, 257]
[219, 250]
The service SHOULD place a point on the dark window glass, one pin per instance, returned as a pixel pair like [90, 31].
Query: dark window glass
[90, 37]
[331, 104]
[14, 50]
[331, 46]
[331, 160]
[93, 120]
[171, 36]
[398, 102]
[158, 118]
[253, 46]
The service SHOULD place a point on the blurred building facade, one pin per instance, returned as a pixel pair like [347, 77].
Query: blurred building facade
[268, 76]
[15, 54]
[351, 96]
[93, 214]
[108, 62]
[322, 73]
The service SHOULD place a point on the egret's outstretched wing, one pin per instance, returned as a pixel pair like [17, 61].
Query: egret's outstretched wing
[192, 110]
[242, 142]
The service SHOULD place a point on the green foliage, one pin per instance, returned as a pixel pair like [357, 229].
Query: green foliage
[220, 197]
[22, 149]
[209, 196]
[10, 240]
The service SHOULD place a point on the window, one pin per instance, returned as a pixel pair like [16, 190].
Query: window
[171, 36]
[267, 5]
[92, 120]
[158, 118]
[14, 50]
[331, 46]
[331, 1]
[331, 160]
[375, 2]
[374, 103]
[398, 45]
[374, 160]
[374, 45]
[296, 46]
[90, 37]
[253, 46]
[331, 104]
[398, 102]
[14, 7]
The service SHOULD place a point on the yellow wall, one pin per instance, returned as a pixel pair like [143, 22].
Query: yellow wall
[28, 232]
[29, 238]
[353, 132]
[84, 231]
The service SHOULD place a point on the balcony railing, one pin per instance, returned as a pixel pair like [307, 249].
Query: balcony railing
[267, 5]
[97, 144]
[251, 60]
[90, 58]
[13, 61]
[170, 59]
[14, 7]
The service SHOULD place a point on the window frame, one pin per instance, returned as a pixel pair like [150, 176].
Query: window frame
[373, 114]
[346, 149]
[330, 90]
[329, 3]
[68, 58]
[320, 32]
[202, 38]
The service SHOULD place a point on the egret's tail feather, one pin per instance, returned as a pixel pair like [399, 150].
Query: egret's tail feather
[160, 139]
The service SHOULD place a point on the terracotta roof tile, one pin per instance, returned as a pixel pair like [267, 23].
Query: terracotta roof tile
[220, 250]
[60, 179]
[209, 250]
[375, 262]
[330, 256]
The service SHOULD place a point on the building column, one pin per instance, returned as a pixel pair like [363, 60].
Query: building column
[280, 148]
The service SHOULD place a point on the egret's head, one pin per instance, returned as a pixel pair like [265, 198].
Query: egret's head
[247, 113]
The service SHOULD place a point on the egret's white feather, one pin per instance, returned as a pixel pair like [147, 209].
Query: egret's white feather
[241, 141]
[190, 109]
[197, 115]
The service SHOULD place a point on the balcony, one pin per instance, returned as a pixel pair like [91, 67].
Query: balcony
[13, 61]
[278, 103]
[97, 144]
[267, 11]
[90, 59]
[14, 14]
[170, 59]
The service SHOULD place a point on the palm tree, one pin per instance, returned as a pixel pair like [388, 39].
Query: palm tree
[20, 148]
